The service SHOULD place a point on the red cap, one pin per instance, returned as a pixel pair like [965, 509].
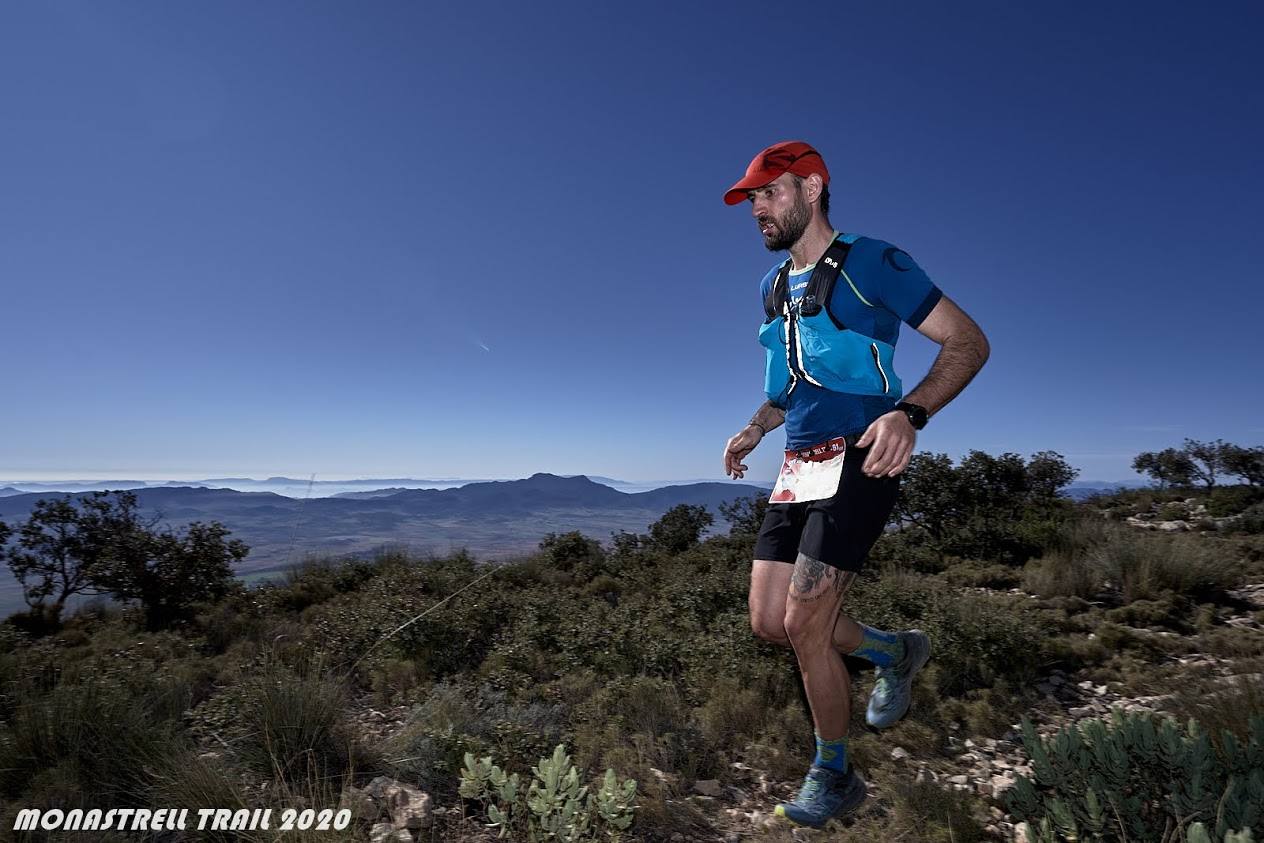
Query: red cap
[786, 157]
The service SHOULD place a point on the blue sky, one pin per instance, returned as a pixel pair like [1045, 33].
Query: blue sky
[414, 239]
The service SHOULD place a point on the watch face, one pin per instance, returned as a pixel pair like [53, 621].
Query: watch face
[916, 415]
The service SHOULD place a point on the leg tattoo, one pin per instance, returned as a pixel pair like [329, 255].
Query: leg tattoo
[810, 575]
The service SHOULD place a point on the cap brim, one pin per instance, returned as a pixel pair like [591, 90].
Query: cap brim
[736, 194]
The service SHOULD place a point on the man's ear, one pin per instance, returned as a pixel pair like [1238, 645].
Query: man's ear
[813, 184]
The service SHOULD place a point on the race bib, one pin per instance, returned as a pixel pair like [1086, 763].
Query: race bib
[810, 474]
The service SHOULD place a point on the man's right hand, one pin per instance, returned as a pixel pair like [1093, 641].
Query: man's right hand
[737, 448]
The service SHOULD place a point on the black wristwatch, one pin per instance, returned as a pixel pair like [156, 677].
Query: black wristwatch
[916, 415]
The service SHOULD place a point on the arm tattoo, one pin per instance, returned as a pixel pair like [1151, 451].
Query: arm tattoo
[769, 417]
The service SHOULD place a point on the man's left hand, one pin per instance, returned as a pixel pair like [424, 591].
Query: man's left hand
[892, 437]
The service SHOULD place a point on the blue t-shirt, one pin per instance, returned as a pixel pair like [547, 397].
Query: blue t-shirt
[889, 288]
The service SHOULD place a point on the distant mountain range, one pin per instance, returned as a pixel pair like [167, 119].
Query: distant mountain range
[241, 484]
[490, 519]
[299, 488]
[1089, 488]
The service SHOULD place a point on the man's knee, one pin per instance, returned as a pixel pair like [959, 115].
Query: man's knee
[816, 593]
[770, 627]
[767, 601]
[810, 625]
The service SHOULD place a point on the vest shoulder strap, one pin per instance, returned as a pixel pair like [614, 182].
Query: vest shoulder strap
[777, 292]
[820, 285]
[824, 276]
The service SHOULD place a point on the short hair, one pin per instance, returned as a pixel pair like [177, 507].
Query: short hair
[798, 184]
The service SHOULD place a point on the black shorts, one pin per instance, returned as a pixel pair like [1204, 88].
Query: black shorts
[838, 531]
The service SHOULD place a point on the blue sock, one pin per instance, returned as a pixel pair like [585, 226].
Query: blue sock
[831, 754]
[880, 648]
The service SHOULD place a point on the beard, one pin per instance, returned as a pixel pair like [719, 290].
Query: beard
[789, 228]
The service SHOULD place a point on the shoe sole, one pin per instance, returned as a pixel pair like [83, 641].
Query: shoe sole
[924, 657]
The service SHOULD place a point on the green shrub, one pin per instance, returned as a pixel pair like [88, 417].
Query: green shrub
[975, 638]
[651, 718]
[680, 527]
[985, 711]
[236, 618]
[395, 681]
[1231, 500]
[1135, 779]
[573, 553]
[933, 814]
[1231, 642]
[457, 717]
[365, 626]
[1173, 511]
[319, 579]
[907, 549]
[294, 727]
[1144, 565]
[94, 739]
[1090, 552]
[736, 714]
[971, 573]
[1168, 610]
[1062, 574]
[554, 806]
[1252, 520]
[1220, 704]
[727, 648]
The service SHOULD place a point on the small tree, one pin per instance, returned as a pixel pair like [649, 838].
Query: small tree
[168, 572]
[745, 515]
[50, 559]
[573, 551]
[1169, 467]
[988, 507]
[1047, 474]
[102, 546]
[1247, 463]
[624, 543]
[680, 527]
[1207, 459]
[929, 498]
[5, 532]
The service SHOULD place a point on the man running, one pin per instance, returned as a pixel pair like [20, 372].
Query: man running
[832, 317]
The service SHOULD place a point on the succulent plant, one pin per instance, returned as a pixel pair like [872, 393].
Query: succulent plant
[1141, 778]
[554, 806]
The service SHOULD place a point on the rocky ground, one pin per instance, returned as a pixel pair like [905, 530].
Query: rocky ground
[742, 810]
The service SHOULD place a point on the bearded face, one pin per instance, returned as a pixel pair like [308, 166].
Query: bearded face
[782, 232]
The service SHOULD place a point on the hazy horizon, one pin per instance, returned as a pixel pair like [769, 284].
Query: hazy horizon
[335, 485]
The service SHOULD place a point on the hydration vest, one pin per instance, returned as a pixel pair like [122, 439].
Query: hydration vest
[805, 341]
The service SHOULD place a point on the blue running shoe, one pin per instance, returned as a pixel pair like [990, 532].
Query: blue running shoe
[893, 689]
[826, 794]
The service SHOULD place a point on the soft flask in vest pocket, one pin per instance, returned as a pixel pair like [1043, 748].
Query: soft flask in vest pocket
[772, 336]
